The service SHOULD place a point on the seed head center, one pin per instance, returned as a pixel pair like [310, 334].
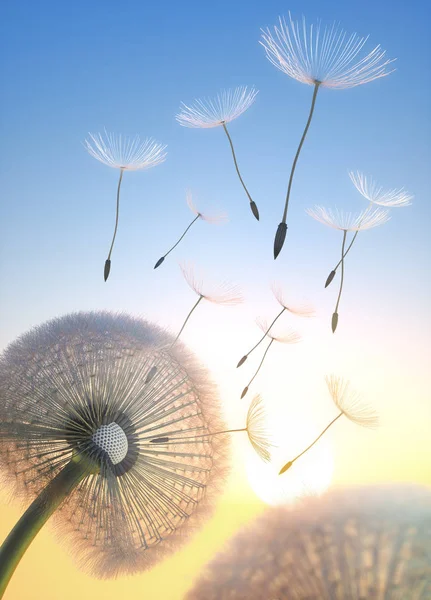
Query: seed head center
[112, 439]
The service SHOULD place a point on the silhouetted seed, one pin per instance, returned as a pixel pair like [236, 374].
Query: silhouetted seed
[244, 391]
[107, 269]
[161, 440]
[151, 374]
[242, 361]
[280, 236]
[330, 278]
[286, 467]
[159, 262]
[254, 209]
[334, 322]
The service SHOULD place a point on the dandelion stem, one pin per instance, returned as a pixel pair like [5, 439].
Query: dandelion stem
[258, 369]
[36, 515]
[159, 262]
[313, 102]
[252, 203]
[185, 322]
[335, 315]
[264, 335]
[117, 213]
[167, 440]
[354, 238]
[290, 463]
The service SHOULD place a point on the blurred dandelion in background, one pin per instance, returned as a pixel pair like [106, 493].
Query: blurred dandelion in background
[214, 219]
[223, 109]
[125, 154]
[255, 428]
[331, 59]
[345, 222]
[76, 423]
[349, 404]
[225, 293]
[287, 337]
[301, 310]
[349, 544]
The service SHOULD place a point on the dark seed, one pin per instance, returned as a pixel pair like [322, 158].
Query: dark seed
[242, 361]
[161, 440]
[334, 322]
[159, 262]
[254, 209]
[244, 391]
[107, 269]
[151, 374]
[280, 236]
[330, 278]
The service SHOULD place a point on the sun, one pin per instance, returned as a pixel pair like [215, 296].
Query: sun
[311, 475]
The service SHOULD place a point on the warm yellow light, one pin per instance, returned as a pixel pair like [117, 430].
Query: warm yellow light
[311, 474]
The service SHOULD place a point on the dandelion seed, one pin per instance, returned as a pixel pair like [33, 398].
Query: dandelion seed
[300, 310]
[348, 544]
[290, 337]
[76, 418]
[208, 218]
[375, 195]
[226, 293]
[349, 404]
[217, 112]
[125, 154]
[345, 222]
[329, 59]
[255, 428]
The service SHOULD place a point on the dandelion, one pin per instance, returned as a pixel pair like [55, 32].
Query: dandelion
[76, 420]
[290, 337]
[300, 310]
[348, 544]
[329, 59]
[349, 404]
[198, 215]
[367, 219]
[226, 293]
[125, 154]
[226, 107]
[376, 194]
[255, 428]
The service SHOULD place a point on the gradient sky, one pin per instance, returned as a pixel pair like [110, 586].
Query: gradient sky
[71, 68]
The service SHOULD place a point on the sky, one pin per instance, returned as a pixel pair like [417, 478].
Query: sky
[73, 68]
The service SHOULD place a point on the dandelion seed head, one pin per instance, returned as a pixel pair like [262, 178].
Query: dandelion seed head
[301, 310]
[350, 404]
[225, 107]
[125, 153]
[346, 221]
[348, 544]
[77, 385]
[224, 293]
[393, 198]
[213, 219]
[329, 57]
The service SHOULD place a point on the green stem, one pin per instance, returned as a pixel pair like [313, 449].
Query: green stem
[310, 116]
[117, 214]
[36, 515]
[176, 244]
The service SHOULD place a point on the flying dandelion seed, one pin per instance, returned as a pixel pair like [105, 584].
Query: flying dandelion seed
[394, 198]
[76, 422]
[255, 428]
[125, 154]
[367, 542]
[367, 219]
[290, 337]
[349, 405]
[303, 310]
[208, 218]
[226, 293]
[329, 59]
[217, 112]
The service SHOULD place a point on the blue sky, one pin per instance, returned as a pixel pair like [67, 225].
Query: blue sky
[70, 69]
